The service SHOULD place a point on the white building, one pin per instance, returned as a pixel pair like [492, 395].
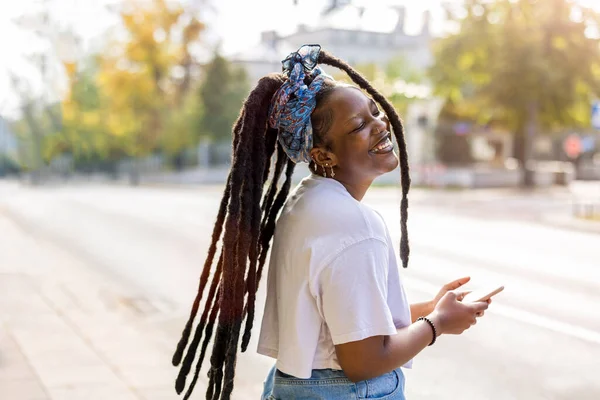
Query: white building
[358, 35]
[361, 35]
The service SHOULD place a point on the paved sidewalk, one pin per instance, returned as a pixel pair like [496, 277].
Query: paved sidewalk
[68, 332]
[566, 220]
[550, 206]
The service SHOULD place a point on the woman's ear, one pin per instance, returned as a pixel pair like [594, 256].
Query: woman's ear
[323, 157]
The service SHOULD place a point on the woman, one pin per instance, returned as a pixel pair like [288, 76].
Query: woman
[336, 317]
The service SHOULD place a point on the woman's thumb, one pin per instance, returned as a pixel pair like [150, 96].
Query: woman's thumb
[461, 295]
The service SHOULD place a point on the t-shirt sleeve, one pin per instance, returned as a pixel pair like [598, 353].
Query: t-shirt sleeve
[353, 291]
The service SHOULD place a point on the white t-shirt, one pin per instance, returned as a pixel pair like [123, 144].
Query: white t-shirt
[333, 278]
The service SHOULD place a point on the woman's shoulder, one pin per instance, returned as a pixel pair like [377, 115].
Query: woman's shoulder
[336, 211]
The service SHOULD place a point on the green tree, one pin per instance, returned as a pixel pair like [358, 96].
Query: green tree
[82, 133]
[38, 119]
[30, 129]
[148, 76]
[222, 92]
[400, 73]
[181, 131]
[524, 64]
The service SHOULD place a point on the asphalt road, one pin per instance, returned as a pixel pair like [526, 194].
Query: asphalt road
[539, 340]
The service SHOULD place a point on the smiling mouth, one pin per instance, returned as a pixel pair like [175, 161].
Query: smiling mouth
[385, 145]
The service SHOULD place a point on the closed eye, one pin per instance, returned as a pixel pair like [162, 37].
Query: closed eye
[374, 108]
[375, 111]
[358, 128]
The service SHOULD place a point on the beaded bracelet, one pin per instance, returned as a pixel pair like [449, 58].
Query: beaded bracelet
[432, 328]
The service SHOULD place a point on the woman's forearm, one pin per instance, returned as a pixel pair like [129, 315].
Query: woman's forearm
[378, 355]
[420, 310]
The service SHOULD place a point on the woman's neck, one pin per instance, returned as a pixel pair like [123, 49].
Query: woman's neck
[356, 189]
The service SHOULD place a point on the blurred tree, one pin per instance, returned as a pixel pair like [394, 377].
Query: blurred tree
[30, 130]
[400, 73]
[452, 149]
[222, 93]
[400, 68]
[183, 133]
[148, 76]
[34, 124]
[83, 133]
[523, 63]
[390, 79]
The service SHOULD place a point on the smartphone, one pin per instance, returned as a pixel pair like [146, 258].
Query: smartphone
[483, 294]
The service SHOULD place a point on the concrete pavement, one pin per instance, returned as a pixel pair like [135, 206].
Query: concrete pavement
[68, 331]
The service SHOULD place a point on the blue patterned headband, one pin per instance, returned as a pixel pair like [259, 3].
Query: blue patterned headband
[291, 114]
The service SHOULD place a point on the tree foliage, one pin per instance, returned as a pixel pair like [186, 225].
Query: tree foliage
[148, 76]
[82, 132]
[524, 64]
[222, 92]
[393, 79]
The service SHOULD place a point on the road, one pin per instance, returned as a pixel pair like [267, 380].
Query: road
[539, 340]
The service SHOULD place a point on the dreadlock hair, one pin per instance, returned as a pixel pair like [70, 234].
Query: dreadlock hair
[245, 226]
[397, 129]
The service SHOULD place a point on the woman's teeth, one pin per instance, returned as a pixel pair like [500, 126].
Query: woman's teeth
[384, 146]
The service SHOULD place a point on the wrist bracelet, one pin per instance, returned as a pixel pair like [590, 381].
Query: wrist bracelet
[432, 328]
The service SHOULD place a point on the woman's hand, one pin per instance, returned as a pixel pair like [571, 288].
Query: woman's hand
[425, 308]
[448, 287]
[452, 316]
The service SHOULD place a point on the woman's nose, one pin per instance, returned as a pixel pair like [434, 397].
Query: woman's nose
[380, 124]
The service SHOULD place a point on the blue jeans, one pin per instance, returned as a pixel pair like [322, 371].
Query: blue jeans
[329, 384]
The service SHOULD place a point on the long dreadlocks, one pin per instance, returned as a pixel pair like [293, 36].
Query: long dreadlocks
[245, 226]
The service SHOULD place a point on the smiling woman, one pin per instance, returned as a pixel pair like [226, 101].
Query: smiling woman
[357, 142]
[336, 318]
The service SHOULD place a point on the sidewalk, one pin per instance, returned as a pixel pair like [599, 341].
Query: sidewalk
[568, 221]
[548, 206]
[69, 332]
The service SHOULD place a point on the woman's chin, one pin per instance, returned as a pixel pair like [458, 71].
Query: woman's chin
[390, 162]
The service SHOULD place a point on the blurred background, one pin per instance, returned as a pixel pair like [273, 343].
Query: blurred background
[115, 143]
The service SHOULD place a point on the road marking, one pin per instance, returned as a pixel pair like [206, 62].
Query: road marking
[526, 317]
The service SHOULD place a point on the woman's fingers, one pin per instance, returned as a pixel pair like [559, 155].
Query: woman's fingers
[457, 283]
[478, 307]
[461, 295]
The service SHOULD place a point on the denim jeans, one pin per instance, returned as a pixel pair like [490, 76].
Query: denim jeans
[329, 384]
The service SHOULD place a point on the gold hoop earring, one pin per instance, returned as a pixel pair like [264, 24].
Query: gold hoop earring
[324, 172]
[332, 172]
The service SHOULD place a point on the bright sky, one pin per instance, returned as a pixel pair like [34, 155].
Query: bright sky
[89, 18]
[236, 30]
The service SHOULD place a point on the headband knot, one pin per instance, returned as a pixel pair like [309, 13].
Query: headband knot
[294, 102]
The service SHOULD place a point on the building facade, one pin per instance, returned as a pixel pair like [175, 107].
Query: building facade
[358, 35]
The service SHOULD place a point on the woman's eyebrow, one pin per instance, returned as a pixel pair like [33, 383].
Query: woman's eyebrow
[372, 103]
[351, 118]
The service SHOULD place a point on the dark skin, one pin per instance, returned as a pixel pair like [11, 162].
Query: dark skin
[357, 126]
